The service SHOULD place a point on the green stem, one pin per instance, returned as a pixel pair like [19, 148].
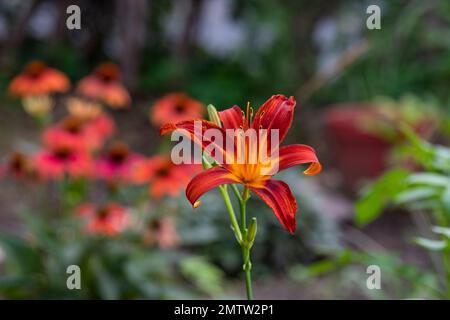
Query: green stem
[236, 192]
[241, 231]
[234, 223]
[248, 272]
[242, 206]
[245, 245]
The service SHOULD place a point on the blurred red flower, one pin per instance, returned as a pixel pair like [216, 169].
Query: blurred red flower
[162, 232]
[275, 114]
[118, 163]
[105, 85]
[38, 79]
[164, 177]
[108, 220]
[61, 157]
[80, 133]
[175, 107]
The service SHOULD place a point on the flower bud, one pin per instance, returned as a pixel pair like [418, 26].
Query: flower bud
[213, 115]
[251, 232]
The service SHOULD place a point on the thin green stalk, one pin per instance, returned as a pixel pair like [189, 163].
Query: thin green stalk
[246, 244]
[236, 192]
[234, 223]
[248, 272]
[243, 205]
[241, 232]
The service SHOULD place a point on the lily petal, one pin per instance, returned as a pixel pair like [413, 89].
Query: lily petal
[232, 118]
[275, 113]
[278, 196]
[295, 154]
[196, 134]
[205, 181]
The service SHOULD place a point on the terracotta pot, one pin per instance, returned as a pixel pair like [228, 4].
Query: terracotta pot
[356, 153]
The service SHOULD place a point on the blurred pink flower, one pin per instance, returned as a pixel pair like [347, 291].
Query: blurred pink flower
[117, 164]
[60, 158]
[104, 85]
[162, 232]
[79, 133]
[108, 220]
[164, 177]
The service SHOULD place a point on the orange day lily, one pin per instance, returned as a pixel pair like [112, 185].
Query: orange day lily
[38, 79]
[275, 114]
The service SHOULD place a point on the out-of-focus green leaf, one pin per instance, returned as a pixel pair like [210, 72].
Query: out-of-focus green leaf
[434, 245]
[442, 231]
[378, 195]
[205, 275]
[430, 179]
[445, 198]
[20, 254]
[416, 194]
[302, 273]
[106, 282]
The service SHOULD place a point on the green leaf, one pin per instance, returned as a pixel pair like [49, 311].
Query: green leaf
[204, 274]
[378, 195]
[302, 273]
[434, 245]
[416, 194]
[21, 255]
[445, 199]
[442, 231]
[430, 179]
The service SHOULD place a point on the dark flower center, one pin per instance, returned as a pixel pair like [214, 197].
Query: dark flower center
[163, 172]
[118, 152]
[107, 72]
[17, 163]
[35, 68]
[62, 153]
[179, 108]
[102, 212]
[72, 125]
[154, 225]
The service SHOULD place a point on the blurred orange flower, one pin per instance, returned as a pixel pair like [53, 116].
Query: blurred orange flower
[108, 220]
[105, 85]
[61, 157]
[175, 107]
[38, 79]
[118, 163]
[80, 133]
[162, 232]
[164, 177]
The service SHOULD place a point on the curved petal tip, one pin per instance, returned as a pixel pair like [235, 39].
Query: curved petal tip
[314, 168]
[197, 204]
